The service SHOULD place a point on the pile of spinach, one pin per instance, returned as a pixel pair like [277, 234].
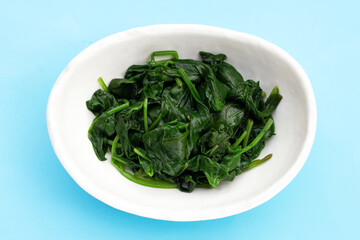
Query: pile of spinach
[181, 122]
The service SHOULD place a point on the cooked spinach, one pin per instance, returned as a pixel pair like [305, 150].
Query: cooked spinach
[182, 123]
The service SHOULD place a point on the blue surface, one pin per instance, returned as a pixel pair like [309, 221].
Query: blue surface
[39, 200]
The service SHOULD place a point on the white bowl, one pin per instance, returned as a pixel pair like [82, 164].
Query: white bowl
[68, 120]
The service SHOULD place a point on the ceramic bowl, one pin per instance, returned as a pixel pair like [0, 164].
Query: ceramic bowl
[68, 120]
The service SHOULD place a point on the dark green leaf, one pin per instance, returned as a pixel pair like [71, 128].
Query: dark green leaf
[136, 72]
[213, 171]
[100, 102]
[166, 147]
[122, 88]
[186, 183]
[214, 61]
[219, 137]
[122, 132]
[231, 115]
[199, 123]
[176, 103]
[102, 129]
[215, 92]
[250, 94]
[272, 102]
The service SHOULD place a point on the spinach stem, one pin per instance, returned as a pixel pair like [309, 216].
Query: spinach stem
[191, 86]
[103, 85]
[230, 149]
[212, 150]
[118, 158]
[244, 136]
[258, 137]
[162, 63]
[145, 182]
[249, 126]
[272, 102]
[142, 181]
[114, 145]
[178, 82]
[141, 154]
[111, 143]
[238, 141]
[118, 108]
[92, 125]
[145, 114]
[156, 122]
[256, 163]
[164, 53]
[155, 63]
[189, 83]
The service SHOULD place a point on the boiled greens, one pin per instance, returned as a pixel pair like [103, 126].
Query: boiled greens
[182, 123]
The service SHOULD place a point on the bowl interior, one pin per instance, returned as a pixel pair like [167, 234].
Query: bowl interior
[69, 120]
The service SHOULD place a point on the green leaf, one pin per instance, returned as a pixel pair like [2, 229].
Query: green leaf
[219, 136]
[166, 147]
[123, 88]
[144, 161]
[272, 102]
[101, 130]
[213, 171]
[176, 103]
[214, 61]
[231, 115]
[136, 72]
[215, 92]
[224, 71]
[186, 183]
[250, 94]
[100, 102]
[199, 123]
[122, 132]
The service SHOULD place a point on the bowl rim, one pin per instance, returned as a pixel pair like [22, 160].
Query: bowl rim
[144, 211]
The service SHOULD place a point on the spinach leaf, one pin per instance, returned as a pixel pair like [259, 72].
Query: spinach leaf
[214, 61]
[215, 142]
[215, 92]
[152, 86]
[224, 71]
[198, 124]
[272, 102]
[213, 171]
[193, 69]
[166, 147]
[100, 102]
[228, 75]
[231, 114]
[186, 183]
[122, 88]
[122, 132]
[102, 129]
[176, 102]
[144, 161]
[250, 94]
[136, 72]
[127, 162]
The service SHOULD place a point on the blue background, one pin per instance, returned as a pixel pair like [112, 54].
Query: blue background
[39, 200]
